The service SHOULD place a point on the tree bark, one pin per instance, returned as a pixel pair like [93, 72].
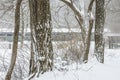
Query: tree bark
[22, 27]
[32, 58]
[99, 28]
[15, 40]
[41, 23]
[88, 39]
[88, 36]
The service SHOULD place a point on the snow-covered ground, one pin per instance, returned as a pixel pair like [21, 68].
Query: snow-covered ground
[22, 64]
[93, 70]
[86, 72]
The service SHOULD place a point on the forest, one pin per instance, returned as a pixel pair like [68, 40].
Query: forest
[59, 39]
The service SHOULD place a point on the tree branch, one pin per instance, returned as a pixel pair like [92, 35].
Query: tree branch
[90, 5]
[78, 16]
[74, 9]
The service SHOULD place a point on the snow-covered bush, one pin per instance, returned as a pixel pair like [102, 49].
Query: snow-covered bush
[60, 64]
[71, 51]
[74, 52]
[21, 69]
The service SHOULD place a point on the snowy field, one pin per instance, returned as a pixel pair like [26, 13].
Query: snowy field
[93, 70]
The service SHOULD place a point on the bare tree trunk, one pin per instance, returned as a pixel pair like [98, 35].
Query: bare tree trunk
[32, 68]
[99, 28]
[32, 61]
[15, 41]
[22, 26]
[32, 58]
[88, 39]
[41, 23]
[86, 33]
[88, 36]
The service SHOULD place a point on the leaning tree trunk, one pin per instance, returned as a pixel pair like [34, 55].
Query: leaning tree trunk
[41, 24]
[88, 38]
[32, 58]
[15, 40]
[86, 33]
[99, 28]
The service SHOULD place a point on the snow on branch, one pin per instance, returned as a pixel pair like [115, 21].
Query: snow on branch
[90, 5]
[90, 14]
[76, 11]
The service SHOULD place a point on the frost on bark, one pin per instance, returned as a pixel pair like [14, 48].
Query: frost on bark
[15, 40]
[99, 28]
[41, 34]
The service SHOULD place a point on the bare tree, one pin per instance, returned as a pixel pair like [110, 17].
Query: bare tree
[99, 28]
[86, 31]
[41, 34]
[15, 41]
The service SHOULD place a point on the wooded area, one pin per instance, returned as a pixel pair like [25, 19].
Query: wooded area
[38, 18]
